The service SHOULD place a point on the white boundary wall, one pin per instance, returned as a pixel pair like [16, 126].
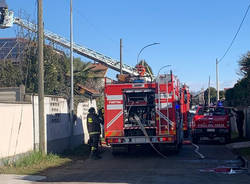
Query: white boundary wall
[16, 129]
[19, 126]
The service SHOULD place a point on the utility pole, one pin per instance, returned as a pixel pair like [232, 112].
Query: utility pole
[217, 80]
[71, 66]
[120, 56]
[42, 146]
[71, 106]
[202, 97]
[208, 101]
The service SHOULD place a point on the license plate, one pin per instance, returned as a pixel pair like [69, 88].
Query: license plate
[210, 130]
[204, 138]
[140, 140]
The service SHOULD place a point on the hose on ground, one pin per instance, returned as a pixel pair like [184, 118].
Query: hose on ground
[146, 135]
[197, 151]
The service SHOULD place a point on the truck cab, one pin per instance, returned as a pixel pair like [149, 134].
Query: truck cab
[211, 123]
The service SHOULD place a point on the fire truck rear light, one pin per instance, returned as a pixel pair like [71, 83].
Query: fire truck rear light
[115, 140]
[162, 139]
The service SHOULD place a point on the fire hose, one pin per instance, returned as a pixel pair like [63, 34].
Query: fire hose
[152, 145]
[146, 135]
[197, 151]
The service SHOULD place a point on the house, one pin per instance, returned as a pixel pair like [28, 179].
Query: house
[12, 49]
[98, 81]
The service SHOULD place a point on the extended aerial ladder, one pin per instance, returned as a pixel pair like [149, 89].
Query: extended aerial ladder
[7, 20]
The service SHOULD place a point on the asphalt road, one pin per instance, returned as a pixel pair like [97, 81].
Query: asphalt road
[147, 167]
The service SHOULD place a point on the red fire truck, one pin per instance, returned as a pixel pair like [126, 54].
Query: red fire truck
[211, 123]
[139, 113]
[185, 107]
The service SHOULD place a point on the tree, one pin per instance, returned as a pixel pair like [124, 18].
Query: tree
[82, 71]
[239, 94]
[56, 71]
[244, 64]
[213, 97]
[10, 75]
[55, 68]
[221, 94]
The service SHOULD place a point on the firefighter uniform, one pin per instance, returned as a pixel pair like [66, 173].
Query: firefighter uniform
[94, 129]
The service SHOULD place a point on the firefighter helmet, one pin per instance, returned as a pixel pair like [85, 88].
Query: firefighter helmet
[91, 110]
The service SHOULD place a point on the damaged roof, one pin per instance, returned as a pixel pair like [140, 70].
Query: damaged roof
[88, 91]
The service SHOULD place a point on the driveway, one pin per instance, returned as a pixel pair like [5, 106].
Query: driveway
[147, 167]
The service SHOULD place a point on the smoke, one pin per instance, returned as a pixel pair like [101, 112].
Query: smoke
[3, 4]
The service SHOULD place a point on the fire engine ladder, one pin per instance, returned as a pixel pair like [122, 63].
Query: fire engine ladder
[161, 115]
[159, 106]
[79, 49]
[167, 104]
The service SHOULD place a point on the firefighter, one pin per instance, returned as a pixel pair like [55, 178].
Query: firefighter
[94, 129]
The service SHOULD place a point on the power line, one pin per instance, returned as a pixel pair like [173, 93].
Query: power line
[235, 36]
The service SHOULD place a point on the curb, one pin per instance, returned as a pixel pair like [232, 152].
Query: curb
[235, 146]
[238, 145]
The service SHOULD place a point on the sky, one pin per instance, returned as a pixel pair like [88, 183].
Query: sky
[192, 34]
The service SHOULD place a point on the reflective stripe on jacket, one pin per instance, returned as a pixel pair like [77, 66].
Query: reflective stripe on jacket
[93, 124]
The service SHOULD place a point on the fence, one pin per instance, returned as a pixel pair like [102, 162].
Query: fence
[19, 126]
